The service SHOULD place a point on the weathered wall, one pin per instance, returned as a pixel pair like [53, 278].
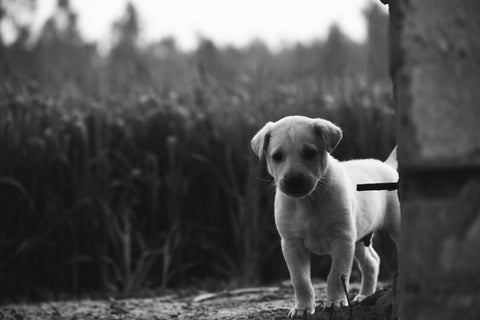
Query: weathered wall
[440, 111]
[436, 69]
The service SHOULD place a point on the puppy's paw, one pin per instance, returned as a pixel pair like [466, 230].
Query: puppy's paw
[359, 298]
[301, 312]
[335, 304]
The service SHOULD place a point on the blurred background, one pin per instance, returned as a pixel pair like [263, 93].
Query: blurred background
[125, 127]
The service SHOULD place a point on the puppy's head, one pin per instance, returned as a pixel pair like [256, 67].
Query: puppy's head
[295, 149]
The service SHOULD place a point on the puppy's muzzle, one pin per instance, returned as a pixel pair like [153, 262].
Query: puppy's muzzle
[296, 185]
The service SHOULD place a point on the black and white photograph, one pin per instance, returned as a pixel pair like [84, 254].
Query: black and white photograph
[239, 160]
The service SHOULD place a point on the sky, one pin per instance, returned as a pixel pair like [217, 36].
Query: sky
[277, 22]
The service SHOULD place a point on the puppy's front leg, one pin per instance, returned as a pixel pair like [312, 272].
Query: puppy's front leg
[298, 262]
[342, 260]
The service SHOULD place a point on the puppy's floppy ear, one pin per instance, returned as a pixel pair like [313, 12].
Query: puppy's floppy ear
[260, 140]
[329, 132]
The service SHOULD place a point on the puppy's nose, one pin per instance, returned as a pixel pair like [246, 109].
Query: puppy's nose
[295, 183]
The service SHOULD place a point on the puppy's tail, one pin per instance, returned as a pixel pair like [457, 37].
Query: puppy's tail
[392, 159]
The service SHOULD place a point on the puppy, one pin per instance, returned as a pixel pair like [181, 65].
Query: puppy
[318, 210]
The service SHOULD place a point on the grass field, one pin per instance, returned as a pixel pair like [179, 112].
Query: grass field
[153, 191]
[131, 169]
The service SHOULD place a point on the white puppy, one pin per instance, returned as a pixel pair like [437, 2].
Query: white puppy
[318, 210]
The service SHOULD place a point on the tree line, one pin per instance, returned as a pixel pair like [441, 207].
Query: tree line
[59, 60]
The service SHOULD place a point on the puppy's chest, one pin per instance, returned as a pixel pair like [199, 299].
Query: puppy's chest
[309, 226]
[317, 238]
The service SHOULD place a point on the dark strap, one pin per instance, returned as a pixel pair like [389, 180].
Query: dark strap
[377, 186]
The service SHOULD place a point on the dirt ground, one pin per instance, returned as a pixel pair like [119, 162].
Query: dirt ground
[246, 303]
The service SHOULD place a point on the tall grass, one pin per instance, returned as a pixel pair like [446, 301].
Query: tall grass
[156, 190]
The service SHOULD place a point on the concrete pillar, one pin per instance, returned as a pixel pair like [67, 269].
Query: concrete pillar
[436, 69]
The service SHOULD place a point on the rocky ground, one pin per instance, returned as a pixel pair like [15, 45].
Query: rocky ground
[246, 303]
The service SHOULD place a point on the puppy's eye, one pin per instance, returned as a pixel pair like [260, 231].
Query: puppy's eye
[277, 157]
[309, 153]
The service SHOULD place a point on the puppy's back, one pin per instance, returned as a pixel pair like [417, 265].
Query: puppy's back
[369, 171]
[379, 208]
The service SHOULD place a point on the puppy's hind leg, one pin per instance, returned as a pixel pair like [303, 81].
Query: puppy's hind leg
[369, 264]
[393, 222]
[394, 233]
